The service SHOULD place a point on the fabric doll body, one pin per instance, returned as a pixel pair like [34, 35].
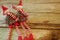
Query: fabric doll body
[12, 21]
[19, 19]
[19, 9]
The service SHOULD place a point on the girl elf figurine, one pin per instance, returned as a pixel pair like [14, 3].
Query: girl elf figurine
[12, 21]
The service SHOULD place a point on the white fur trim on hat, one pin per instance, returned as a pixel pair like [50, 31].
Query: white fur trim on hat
[19, 6]
[6, 11]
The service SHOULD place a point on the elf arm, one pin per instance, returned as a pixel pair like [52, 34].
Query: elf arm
[20, 10]
[6, 12]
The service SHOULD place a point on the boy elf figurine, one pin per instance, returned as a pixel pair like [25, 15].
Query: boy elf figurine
[19, 8]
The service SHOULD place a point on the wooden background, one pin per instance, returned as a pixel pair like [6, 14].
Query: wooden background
[44, 19]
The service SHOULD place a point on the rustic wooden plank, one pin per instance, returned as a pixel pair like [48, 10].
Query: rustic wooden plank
[41, 17]
[40, 1]
[31, 7]
[35, 12]
[36, 1]
[36, 32]
[47, 26]
[41, 26]
[42, 7]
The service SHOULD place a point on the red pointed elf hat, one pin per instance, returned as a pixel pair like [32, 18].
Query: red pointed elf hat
[4, 9]
[19, 4]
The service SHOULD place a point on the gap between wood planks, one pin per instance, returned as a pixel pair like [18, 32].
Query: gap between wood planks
[42, 26]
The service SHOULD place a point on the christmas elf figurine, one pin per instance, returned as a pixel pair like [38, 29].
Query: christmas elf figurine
[12, 23]
[23, 23]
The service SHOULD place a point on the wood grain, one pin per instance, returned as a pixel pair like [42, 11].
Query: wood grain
[41, 17]
[37, 1]
[44, 19]
[41, 33]
[41, 11]
[38, 34]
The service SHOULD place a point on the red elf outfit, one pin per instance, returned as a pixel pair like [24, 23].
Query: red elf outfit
[10, 25]
[23, 23]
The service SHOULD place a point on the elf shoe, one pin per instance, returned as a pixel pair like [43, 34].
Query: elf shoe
[31, 37]
[26, 38]
[19, 37]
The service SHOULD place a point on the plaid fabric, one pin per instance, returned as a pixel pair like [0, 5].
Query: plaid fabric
[20, 17]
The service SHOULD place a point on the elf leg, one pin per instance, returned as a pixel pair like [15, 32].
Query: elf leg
[10, 32]
[25, 31]
[18, 31]
[29, 29]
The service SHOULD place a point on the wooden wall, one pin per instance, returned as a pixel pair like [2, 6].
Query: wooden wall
[44, 18]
